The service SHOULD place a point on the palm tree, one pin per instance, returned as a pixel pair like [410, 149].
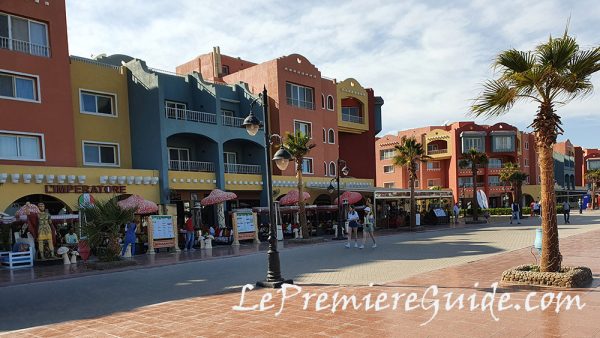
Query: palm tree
[408, 154]
[593, 176]
[511, 174]
[473, 159]
[299, 146]
[102, 226]
[553, 74]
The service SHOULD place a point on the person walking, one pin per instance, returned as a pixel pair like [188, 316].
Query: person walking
[566, 212]
[537, 208]
[368, 228]
[189, 234]
[456, 212]
[353, 227]
[580, 204]
[515, 212]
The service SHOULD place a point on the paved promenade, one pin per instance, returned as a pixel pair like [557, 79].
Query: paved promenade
[180, 300]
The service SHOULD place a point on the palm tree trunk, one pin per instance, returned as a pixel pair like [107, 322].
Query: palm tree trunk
[593, 195]
[474, 202]
[551, 258]
[301, 209]
[413, 205]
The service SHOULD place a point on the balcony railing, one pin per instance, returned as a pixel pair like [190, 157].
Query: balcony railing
[437, 151]
[191, 166]
[190, 115]
[24, 46]
[352, 118]
[232, 121]
[242, 168]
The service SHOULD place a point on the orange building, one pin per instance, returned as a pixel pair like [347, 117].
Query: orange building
[342, 118]
[35, 87]
[444, 145]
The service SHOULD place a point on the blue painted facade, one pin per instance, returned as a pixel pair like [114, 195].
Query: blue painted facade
[201, 127]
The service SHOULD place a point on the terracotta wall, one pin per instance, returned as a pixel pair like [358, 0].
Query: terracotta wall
[52, 115]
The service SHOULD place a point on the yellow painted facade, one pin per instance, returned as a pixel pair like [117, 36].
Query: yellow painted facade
[439, 135]
[315, 186]
[89, 75]
[40, 180]
[351, 88]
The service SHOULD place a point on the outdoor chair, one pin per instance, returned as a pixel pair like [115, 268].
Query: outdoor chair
[17, 259]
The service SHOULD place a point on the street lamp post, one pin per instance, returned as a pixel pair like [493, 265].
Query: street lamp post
[282, 158]
[345, 171]
[462, 199]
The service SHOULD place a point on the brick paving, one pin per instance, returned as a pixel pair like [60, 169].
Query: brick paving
[212, 316]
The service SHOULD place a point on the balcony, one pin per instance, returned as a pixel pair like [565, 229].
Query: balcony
[352, 118]
[191, 166]
[24, 47]
[190, 115]
[232, 121]
[231, 168]
[437, 151]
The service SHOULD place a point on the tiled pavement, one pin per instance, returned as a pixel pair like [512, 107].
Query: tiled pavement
[213, 315]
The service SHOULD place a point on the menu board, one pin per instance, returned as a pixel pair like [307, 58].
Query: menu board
[244, 221]
[162, 226]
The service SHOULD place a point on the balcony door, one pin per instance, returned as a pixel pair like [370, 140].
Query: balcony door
[179, 158]
[230, 160]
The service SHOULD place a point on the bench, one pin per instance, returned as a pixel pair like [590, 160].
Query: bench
[13, 260]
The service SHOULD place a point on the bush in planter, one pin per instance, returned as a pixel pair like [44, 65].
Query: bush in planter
[102, 226]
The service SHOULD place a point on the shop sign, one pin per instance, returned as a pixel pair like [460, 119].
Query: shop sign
[82, 189]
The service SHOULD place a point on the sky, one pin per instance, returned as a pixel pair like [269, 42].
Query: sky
[427, 58]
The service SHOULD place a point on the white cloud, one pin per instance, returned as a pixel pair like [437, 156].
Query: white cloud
[427, 59]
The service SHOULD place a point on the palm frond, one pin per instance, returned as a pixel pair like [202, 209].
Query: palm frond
[514, 61]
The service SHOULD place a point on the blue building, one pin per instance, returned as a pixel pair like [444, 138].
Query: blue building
[190, 131]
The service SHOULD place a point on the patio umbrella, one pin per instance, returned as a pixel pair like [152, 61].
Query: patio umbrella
[142, 206]
[6, 218]
[28, 208]
[217, 197]
[351, 196]
[147, 207]
[293, 197]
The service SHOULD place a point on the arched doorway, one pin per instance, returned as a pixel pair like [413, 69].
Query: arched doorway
[54, 205]
[323, 199]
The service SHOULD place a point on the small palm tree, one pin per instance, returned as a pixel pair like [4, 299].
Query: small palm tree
[593, 176]
[511, 174]
[299, 146]
[408, 154]
[473, 159]
[103, 221]
[555, 73]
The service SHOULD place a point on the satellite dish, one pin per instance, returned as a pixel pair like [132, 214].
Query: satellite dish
[482, 199]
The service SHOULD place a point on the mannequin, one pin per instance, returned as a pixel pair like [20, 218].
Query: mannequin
[45, 232]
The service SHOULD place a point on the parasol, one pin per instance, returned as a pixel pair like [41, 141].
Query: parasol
[293, 197]
[351, 196]
[138, 203]
[218, 197]
[28, 208]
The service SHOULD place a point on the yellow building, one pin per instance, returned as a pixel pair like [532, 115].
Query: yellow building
[102, 150]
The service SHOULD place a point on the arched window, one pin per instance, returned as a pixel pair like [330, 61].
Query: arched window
[322, 101]
[332, 169]
[330, 102]
[331, 136]
[325, 168]
[324, 135]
